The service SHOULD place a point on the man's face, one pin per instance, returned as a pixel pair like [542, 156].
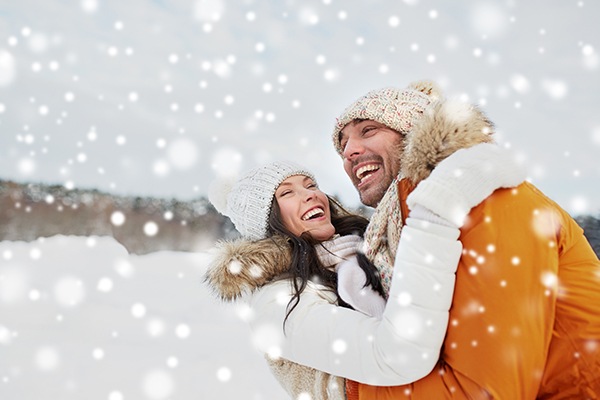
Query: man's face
[371, 154]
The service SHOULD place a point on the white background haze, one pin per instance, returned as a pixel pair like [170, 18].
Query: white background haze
[161, 97]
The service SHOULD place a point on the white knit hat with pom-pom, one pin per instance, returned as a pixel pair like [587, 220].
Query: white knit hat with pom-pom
[394, 107]
[247, 201]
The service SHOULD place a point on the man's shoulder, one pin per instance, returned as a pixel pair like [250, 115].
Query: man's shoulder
[525, 196]
[514, 205]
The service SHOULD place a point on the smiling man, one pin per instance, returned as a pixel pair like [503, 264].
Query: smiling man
[369, 149]
[370, 135]
[525, 317]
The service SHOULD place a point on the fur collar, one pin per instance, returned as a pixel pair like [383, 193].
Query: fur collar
[240, 267]
[446, 126]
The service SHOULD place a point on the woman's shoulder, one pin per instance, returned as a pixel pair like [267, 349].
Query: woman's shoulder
[239, 267]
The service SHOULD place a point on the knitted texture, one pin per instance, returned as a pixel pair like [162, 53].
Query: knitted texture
[383, 234]
[393, 107]
[334, 251]
[249, 200]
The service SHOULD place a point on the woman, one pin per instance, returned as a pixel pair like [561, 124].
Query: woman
[298, 259]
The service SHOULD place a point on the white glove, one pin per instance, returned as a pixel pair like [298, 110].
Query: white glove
[464, 179]
[338, 249]
[351, 282]
[424, 214]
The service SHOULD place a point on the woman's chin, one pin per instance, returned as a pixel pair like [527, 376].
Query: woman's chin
[322, 233]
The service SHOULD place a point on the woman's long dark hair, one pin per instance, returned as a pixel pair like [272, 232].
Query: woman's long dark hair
[306, 266]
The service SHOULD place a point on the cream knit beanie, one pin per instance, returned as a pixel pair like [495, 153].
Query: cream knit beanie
[393, 107]
[248, 200]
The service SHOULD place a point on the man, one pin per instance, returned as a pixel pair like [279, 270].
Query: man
[525, 318]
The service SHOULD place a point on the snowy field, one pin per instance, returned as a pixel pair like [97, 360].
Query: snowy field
[80, 318]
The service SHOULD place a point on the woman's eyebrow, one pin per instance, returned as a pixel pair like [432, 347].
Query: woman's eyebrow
[282, 185]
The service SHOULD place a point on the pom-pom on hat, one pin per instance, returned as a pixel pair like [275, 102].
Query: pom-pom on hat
[393, 107]
[247, 201]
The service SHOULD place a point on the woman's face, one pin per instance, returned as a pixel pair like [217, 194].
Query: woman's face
[304, 208]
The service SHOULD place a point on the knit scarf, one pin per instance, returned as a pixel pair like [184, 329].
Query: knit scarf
[383, 234]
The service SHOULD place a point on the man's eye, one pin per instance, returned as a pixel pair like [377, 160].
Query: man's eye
[368, 129]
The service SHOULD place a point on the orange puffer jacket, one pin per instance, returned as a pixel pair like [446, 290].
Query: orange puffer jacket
[525, 318]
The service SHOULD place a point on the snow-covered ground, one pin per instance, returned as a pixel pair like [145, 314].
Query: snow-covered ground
[80, 318]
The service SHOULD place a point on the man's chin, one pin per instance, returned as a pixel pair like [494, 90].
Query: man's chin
[371, 196]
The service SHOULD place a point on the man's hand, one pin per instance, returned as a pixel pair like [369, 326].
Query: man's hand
[464, 179]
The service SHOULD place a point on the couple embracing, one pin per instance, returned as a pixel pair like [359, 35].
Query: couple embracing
[467, 282]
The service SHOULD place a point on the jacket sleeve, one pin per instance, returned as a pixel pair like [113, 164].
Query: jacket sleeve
[401, 347]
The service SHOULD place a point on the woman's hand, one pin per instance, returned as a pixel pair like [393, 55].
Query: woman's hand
[352, 289]
[338, 249]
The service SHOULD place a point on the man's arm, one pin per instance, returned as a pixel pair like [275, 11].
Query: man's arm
[401, 347]
[502, 314]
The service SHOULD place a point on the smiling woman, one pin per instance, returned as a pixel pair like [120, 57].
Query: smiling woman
[310, 239]
[315, 298]
[304, 208]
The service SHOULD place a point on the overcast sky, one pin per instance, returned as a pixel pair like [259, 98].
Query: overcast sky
[162, 97]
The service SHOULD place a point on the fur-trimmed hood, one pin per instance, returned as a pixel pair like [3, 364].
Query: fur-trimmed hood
[445, 127]
[241, 266]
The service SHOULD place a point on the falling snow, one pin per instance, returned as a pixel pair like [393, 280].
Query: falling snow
[165, 116]
[93, 96]
[97, 332]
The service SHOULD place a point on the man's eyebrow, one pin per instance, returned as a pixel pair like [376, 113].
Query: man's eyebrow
[354, 122]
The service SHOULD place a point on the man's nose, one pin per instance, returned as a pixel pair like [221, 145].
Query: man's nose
[353, 148]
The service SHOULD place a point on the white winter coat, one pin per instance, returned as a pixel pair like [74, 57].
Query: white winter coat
[401, 347]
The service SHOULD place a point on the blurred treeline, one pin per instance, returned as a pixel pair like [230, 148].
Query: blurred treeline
[30, 211]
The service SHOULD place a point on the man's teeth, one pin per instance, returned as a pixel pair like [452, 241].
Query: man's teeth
[363, 172]
[312, 213]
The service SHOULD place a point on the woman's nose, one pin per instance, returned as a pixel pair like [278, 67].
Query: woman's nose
[308, 194]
